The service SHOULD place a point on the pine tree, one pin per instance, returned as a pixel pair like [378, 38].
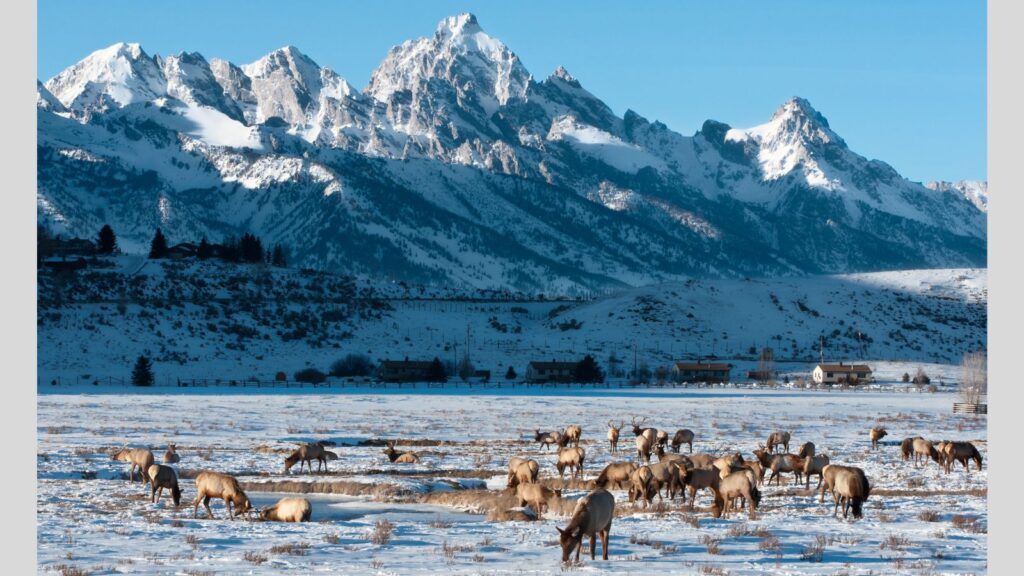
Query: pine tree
[279, 258]
[205, 250]
[587, 371]
[142, 374]
[158, 248]
[107, 243]
[436, 372]
[511, 374]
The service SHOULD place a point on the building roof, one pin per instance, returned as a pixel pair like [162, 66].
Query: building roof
[553, 365]
[417, 364]
[844, 367]
[701, 366]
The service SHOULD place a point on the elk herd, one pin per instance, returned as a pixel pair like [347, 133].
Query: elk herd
[733, 481]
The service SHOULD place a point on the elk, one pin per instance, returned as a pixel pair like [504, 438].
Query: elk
[907, 447]
[592, 517]
[666, 475]
[613, 436]
[161, 477]
[397, 457]
[217, 485]
[849, 486]
[703, 461]
[960, 452]
[807, 450]
[305, 454]
[650, 433]
[288, 510]
[140, 457]
[661, 438]
[876, 434]
[171, 455]
[522, 471]
[779, 463]
[681, 437]
[641, 485]
[643, 448]
[679, 459]
[726, 463]
[616, 475]
[571, 435]
[733, 486]
[536, 496]
[547, 438]
[924, 449]
[700, 478]
[571, 458]
[814, 465]
[778, 438]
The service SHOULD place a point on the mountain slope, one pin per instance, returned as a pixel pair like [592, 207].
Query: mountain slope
[456, 165]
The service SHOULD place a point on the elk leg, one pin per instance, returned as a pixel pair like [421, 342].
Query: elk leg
[604, 542]
[152, 497]
[593, 545]
[206, 504]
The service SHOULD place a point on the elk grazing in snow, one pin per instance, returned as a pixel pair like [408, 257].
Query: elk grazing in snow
[641, 487]
[924, 449]
[907, 447]
[778, 438]
[643, 449]
[138, 457]
[547, 439]
[536, 496]
[288, 510]
[305, 454]
[733, 486]
[814, 465]
[616, 475]
[960, 452]
[161, 477]
[571, 458]
[613, 436]
[681, 437]
[700, 478]
[876, 434]
[217, 485]
[848, 485]
[779, 463]
[571, 436]
[397, 457]
[522, 471]
[592, 517]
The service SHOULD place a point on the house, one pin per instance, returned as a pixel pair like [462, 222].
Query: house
[550, 371]
[183, 250]
[404, 370]
[836, 373]
[49, 247]
[700, 372]
[481, 376]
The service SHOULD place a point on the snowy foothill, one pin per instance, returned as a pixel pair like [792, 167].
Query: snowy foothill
[447, 513]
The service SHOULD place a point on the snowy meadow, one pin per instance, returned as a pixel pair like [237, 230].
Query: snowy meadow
[449, 513]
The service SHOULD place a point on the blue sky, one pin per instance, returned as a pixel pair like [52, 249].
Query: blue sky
[902, 81]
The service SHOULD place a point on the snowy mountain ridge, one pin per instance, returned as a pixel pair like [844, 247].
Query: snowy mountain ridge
[456, 165]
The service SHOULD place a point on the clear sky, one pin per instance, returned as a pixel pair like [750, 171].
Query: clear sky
[900, 80]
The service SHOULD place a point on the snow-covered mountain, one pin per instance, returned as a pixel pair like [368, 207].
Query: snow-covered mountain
[455, 165]
[973, 190]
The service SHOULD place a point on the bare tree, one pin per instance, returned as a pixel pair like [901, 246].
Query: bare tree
[973, 377]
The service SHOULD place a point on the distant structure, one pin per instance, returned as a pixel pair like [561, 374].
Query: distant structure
[841, 373]
[404, 370]
[540, 372]
[700, 372]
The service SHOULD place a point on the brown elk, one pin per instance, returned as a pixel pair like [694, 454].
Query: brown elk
[217, 485]
[397, 457]
[138, 457]
[522, 471]
[666, 475]
[779, 463]
[924, 449]
[161, 477]
[661, 438]
[849, 486]
[700, 478]
[592, 517]
[615, 475]
[642, 485]
[304, 455]
[728, 461]
[814, 465]
[571, 458]
[733, 486]
[171, 455]
[643, 448]
[613, 436]
[960, 452]
[807, 450]
[571, 436]
[536, 496]
[547, 439]
[876, 434]
[907, 447]
[288, 510]
[650, 433]
[681, 437]
[778, 438]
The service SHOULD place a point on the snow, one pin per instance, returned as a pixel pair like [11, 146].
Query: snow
[601, 145]
[216, 129]
[86, 507]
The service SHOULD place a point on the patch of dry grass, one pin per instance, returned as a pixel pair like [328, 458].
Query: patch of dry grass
[382, 532]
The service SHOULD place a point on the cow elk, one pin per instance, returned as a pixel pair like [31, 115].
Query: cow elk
[681, 437]
[814, 465]
[397, 457]
[616, 475]
[778, 438]
[592, 517]
[171, 455]
[161, 477]
[547, 439]
[536, 496]
[571, 458]
[305, 454]
[807, 450]
[779, 463]
[613, 436]
[733, 486]
[924, 449]
[876, 434]
[522, 471]
[849, 486]
[960, 452]
[137, 457]
[217, 485]
[288, 510]
[571, 436]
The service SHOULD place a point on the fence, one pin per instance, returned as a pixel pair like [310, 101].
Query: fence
[965, 408]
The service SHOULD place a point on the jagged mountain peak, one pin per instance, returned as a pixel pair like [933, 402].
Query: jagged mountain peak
[796, 118]
[451, 26]
[114, 76]
[562, 74]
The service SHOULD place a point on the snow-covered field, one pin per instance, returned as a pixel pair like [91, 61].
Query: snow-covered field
[446, 511]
